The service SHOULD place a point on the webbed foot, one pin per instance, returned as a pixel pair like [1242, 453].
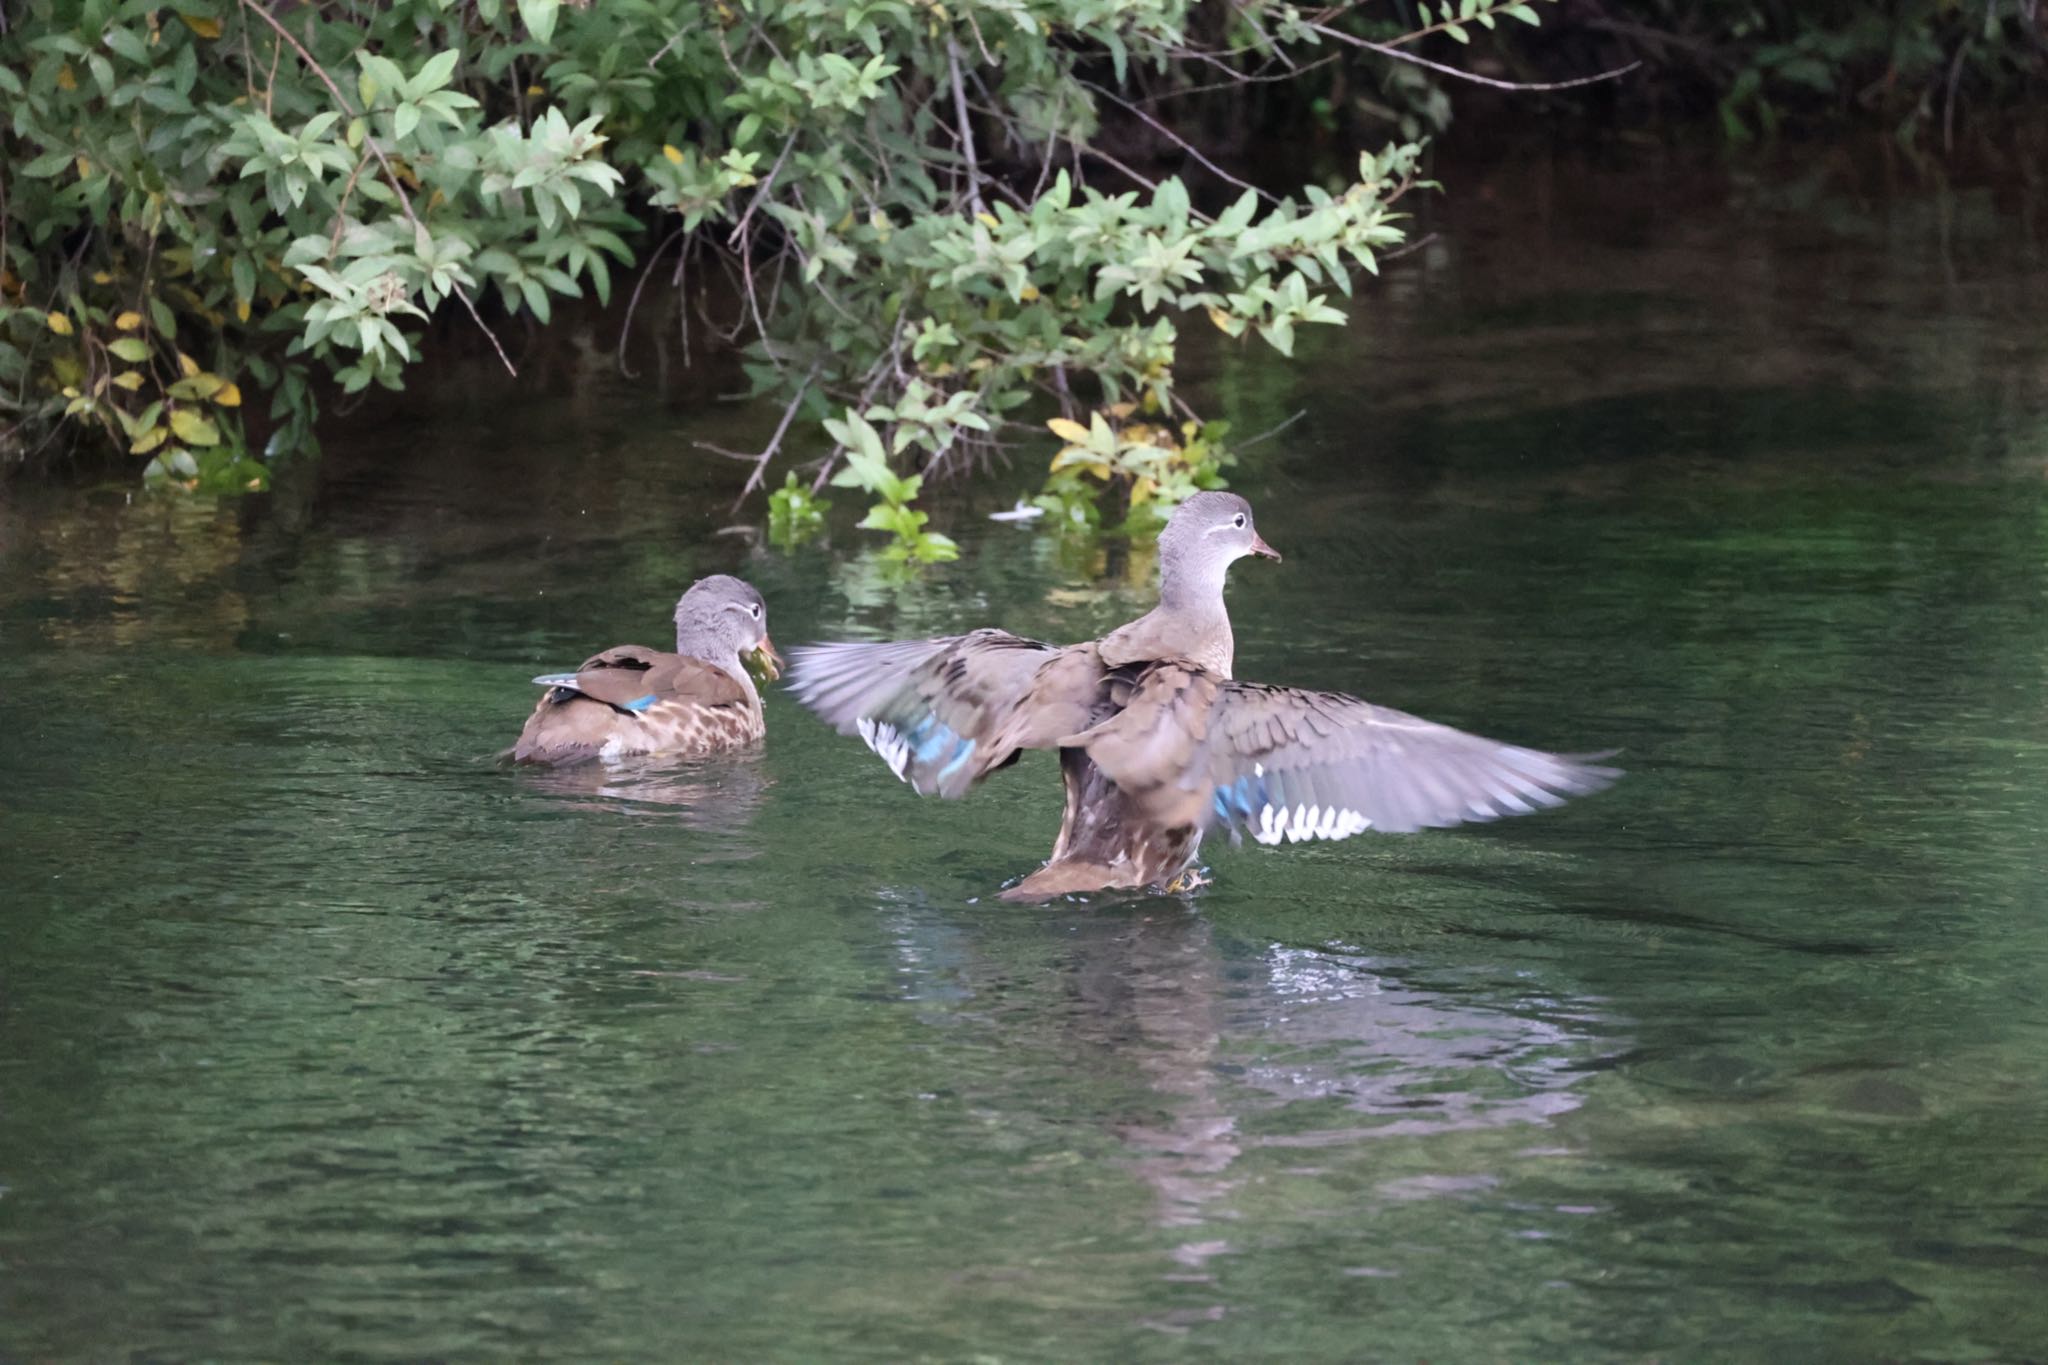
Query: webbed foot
[1190, 879]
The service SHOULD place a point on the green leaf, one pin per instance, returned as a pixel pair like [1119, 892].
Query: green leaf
[539, 18]
[438, 71]
[48, 164]
[134, 350]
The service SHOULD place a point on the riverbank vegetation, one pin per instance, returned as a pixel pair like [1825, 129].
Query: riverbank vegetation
[931, 230]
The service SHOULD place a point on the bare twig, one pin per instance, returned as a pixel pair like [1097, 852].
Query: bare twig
[664, 49]
[966, 126]
[760, 192]
[1239, 78]
[1270, 432]
[1398, 55]
[1948, 104]
[270, 81]
[1407, 249]
[341, 210]
[397, 185]
[1179, 141]
[633, 304]
[759, 474]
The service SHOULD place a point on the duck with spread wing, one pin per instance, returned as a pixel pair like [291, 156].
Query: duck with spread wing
[1158, 743]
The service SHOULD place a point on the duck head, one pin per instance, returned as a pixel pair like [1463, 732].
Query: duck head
[722, 619]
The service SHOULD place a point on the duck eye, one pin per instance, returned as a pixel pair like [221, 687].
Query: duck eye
[1238, 521]
[756, 609]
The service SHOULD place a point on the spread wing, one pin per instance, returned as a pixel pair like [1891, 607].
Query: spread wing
[945, 713]
[1194, 748]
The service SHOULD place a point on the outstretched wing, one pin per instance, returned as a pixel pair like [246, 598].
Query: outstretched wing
[942, 713]
[1194, 748]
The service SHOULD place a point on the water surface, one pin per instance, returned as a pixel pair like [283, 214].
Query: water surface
[323, 1037]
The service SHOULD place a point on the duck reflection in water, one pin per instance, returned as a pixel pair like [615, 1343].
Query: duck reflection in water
[711, 796]
[1229, 1039]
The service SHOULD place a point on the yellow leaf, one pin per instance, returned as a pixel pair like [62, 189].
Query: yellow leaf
[242, 309]
[1088, 460]
[148, 441]
[102, 277]
[229, 396]
[84, 168]
[1220, 318]
[1068, 430]
[201, 385]
[1121, 410]
[194, 429]
[128, 321]
[674, 154]
[987, 220]
[65, 79]
[1141, 491]
[59, 324]
[131, 381]
[187, 366]
[199, 24]
[536, 91]
[1028, 294]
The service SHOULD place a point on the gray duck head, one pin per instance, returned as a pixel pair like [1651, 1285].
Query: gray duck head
[1206, 535]
[721, 618]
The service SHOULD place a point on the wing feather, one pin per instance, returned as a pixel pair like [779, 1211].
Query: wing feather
[1282, 763]
[942, 713]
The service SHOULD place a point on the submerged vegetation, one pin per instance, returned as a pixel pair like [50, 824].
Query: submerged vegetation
[925, 224]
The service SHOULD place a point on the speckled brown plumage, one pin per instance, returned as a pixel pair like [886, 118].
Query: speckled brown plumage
[631, 700]
[697, 708]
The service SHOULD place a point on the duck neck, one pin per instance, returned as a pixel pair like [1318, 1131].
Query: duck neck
[1191, 610]
[720, 655]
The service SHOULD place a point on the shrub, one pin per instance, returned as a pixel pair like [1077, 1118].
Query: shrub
[925, 227]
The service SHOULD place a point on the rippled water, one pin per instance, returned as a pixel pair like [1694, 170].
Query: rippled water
[321, 1036]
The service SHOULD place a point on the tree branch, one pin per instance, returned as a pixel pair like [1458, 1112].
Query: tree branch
[760, 470]
[966, 127]
[760, 192]
[370, 141]
[1179, 141]
[1398, 55]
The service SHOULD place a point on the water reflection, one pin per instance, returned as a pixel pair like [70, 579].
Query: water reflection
[1272, 1049]
[712, 796]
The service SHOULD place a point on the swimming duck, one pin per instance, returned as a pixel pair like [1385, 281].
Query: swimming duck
[1158, 743]
[634, 700]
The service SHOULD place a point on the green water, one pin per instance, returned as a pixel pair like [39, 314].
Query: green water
[322, 1037]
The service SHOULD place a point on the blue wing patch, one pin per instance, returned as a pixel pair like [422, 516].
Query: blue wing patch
[926, 755]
